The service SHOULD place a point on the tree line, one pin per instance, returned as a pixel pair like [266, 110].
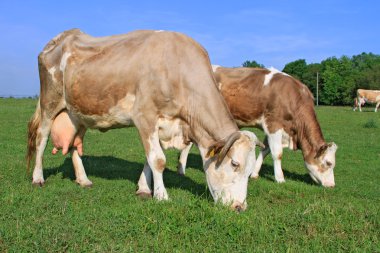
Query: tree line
[339, 78]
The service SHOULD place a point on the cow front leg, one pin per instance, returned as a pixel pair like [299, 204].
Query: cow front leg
[275, 145]
[260, 159]
[377, 106]
[157, 162]
[181, 167]
[80, 173]
[145, 182]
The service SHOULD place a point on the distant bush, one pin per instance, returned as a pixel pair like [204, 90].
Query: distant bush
[371, 123]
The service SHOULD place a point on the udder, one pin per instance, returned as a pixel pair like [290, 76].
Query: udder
[65, 134]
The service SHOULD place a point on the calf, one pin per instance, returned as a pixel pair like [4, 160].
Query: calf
[284, 108]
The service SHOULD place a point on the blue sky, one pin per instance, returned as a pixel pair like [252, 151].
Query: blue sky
[271, 32]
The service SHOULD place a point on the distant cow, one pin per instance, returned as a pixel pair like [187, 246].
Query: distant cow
[367, 96]
[160, 82]
[284, 108]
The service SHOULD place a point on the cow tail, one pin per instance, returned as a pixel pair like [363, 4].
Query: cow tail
[33, 126]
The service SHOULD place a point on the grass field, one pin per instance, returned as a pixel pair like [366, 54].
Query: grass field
[297, 216]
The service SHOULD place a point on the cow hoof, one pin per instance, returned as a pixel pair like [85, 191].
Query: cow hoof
[38, 183]
[144, 194]
[280, 181]
[254, 177]
[163, 196]
[84, 184]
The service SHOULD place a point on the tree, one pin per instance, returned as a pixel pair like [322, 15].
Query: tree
[252, 64]
[296, 68]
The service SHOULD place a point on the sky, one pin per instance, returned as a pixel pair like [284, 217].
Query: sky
[271, 32]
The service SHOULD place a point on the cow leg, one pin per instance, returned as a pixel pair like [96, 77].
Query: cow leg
[80, 173]
[157, 162]
[275, 145]
[181, 167]
[377, 106]
[260, 159]
[145, 182]
[155, 158]
[41, 141]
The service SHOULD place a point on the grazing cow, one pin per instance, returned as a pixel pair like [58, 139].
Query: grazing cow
[284, 108]
[162, 83]
[367, 96]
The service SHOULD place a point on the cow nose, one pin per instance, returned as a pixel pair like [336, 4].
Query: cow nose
[238, 207]
[329, 185]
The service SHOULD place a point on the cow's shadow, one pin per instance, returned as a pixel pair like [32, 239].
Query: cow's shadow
[267, 172]
[112, 168]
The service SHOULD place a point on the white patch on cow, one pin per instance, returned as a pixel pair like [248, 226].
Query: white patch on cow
[325, 179]
[170, 133]
[220, 85]
[269, 76]
[275, 144]
[215, 67]
[65, 56]
[52, 72]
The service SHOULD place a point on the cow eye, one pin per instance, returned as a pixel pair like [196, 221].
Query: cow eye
[328, 163]
[234, 164]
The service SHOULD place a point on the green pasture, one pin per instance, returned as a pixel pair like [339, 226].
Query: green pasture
[297, 216]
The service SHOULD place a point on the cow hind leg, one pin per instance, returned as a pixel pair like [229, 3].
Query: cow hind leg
[43, 132]
[275, 145]
[183, 160]
[260, 159]
[377, 106]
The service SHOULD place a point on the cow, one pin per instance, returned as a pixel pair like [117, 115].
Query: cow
[366, 96]
[284, 108]
[161, 82]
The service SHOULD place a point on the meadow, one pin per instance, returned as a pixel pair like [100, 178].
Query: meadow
[297, 216]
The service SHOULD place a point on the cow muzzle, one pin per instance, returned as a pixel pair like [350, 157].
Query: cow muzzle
[238, 206]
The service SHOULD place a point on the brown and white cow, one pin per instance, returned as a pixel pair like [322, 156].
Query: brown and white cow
[162, 83]
[367, 96]
[284, 108]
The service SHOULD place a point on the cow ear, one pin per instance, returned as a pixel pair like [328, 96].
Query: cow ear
[214, 149]
[321, 150]
[331, 147]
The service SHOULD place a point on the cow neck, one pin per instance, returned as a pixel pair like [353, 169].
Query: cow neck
[310, 137]
[210, 120]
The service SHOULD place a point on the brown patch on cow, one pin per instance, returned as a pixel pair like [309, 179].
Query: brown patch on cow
[160, 165]
[279, 156]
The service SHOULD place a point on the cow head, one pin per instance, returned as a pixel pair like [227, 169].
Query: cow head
[228, 166]
[321, 167]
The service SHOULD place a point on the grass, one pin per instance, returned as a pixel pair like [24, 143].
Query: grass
[297, 216]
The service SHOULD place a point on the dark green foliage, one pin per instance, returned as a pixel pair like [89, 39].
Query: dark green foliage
[252, 64]
[371, 123]
[296, 68]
